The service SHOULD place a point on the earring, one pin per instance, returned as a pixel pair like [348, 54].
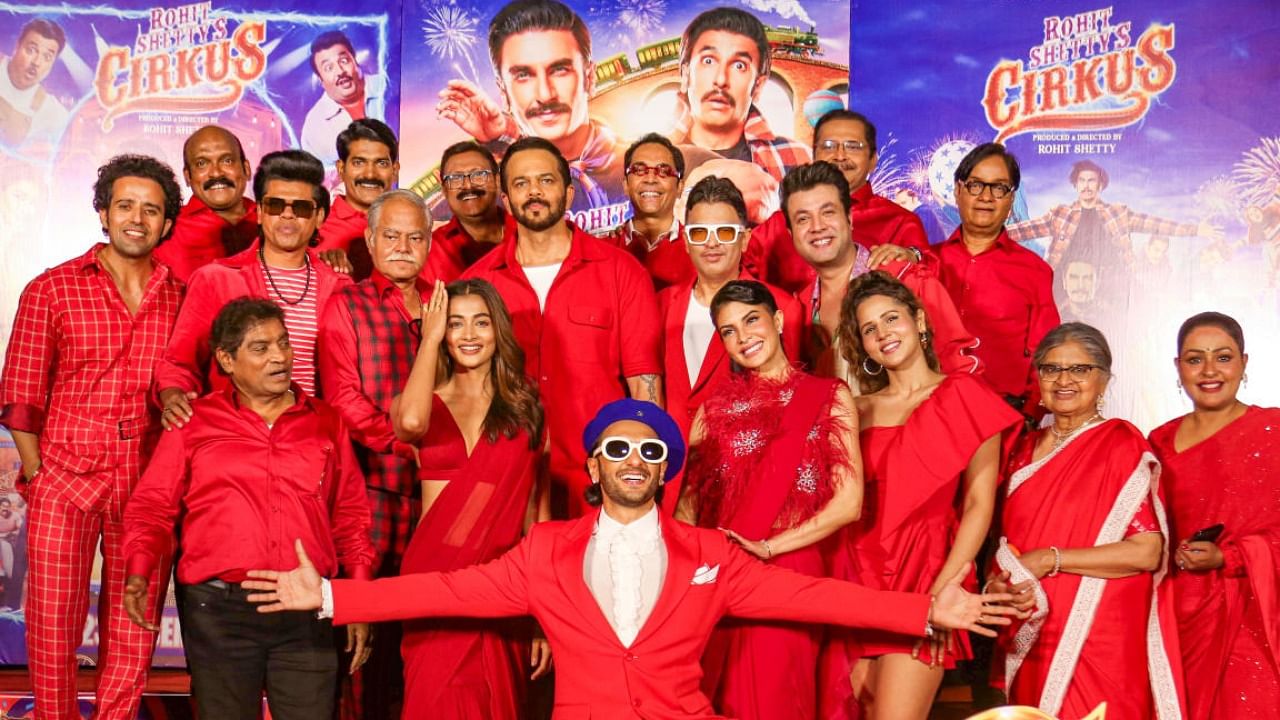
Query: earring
[924, 339]
[1244, 379]
[1178, 383]
[1101, 401]
[868, 371]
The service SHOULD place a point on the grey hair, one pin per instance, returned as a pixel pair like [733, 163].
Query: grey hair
[1089, 337]
[375, 207]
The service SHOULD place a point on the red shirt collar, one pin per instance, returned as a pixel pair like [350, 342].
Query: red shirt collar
[303, 401]
[454, 226]
[384, 285]
[90, 262]
[195, 206]
[1003, 241]
[862, 195]
[582, 247]
[344, 210]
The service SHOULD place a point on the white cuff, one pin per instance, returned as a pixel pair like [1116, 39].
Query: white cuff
[326, 600]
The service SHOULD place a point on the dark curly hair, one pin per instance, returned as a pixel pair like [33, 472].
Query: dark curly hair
[861, 289]
[139, 166]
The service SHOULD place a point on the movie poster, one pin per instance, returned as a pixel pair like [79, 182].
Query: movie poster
[1157, 119]
[81, 82]
[619, 70]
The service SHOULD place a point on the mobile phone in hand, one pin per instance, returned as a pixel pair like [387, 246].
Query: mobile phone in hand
[1209, 534]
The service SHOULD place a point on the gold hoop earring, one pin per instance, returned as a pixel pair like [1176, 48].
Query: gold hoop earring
[868, 370]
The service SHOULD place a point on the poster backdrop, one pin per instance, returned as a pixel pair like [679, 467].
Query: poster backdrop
[1165, 111]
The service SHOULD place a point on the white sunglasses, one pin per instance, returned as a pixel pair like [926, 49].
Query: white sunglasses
[617, 449]
[703, 233]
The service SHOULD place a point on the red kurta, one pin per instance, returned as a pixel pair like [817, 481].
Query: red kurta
[472, 670]
[1229, 619]
[1089, 638]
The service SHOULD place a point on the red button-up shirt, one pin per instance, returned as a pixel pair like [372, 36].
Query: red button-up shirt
[1005, 297]
[77, 370]
[343, 229]
[771, 255]
[453, 250]
[666, 260]
[246, 490]
[600, 326]
[201, 236]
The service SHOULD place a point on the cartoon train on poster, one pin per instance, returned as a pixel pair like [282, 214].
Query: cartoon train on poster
[783, 42]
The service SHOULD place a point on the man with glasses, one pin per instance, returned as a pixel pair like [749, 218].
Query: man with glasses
[654, 176]
[1004, 292]
[627, 596]
[292, 204]
[369, 165]
[469, 174]
[847, 140]
[694, 360]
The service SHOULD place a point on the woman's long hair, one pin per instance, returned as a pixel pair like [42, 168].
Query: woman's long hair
[863, 288]
[515, 405]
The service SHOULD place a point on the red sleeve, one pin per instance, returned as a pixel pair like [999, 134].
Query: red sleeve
[29, 361]
[951, 341]
[186, 359]
[496, 589]
[1144, 520]
[338, 365]
[349, 514]
[154, 505]
[755, 260]
[792, 324]
[910, 233]
[640, 327]
[1044, 317]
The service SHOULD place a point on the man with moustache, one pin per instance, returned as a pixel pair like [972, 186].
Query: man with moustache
[1080, 286]
[260, 463]
[218, 221]
[292, 203]
[369, 165]
[654, 170]
[583, 311]
[349, 95]
[541, 53]
[31, 119]
[85, 342]
[369, 336]
[469, 174]
[817, 203]
[628, 597]
[847, 140]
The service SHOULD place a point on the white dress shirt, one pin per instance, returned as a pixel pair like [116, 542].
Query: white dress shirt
[624, 568]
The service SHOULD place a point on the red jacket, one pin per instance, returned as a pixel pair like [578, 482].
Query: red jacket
[658, 676]
[188, 362]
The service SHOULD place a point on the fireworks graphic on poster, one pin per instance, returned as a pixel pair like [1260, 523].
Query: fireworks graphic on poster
[629, 22]
[1257, 175]
[1218, 198]
[450, 33]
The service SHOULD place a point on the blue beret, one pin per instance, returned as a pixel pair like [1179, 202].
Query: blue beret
[640, 411]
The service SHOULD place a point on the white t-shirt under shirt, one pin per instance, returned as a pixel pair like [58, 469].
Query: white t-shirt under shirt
[299, 318]
[699, 331]
[47, 116]
[541, 277]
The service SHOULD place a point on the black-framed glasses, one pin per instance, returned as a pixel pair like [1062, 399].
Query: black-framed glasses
[1078, 373]
[617, 449]
[302, 209]
[721, 233]
[453, 181]
[850, 146]
[662, 170]
[998, 190]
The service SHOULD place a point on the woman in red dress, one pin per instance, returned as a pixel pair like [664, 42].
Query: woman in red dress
[1084, 546]
[931, 447]
[1222, 467]
[774, 463]
[478, 422]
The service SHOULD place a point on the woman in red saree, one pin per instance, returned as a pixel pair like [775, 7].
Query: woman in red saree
[1222, 467]
[931, 446]
[478, 422]
[1084, 546]
[774, 463]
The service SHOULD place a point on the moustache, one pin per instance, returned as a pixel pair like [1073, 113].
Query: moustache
[525, 207]
[401, 257]
[371, 182]
[344, 78]
[719, 95]
[218, 182]
[468, 194]
[546, 109]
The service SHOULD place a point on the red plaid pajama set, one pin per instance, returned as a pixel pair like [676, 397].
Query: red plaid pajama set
[77, 372]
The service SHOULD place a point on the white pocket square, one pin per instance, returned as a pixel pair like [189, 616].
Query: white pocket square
[705, 575]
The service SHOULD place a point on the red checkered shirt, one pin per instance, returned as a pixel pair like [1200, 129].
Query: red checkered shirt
[1060, 225]
[78, 368]
[774, 153]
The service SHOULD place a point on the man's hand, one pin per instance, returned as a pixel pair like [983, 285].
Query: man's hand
[1200, 556]
[759, 188]
[955, 608]
[472, 110]
[540, 657]
[175, 407]
[336, 259]
[359, 644]
[1207, 229]
[298, 589]
[888, 252]
[135, 602]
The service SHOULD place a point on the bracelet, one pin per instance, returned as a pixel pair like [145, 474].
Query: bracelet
[928, 620]
[916, 251]
[1057, 561]
[768, 550]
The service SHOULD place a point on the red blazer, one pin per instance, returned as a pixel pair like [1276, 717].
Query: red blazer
[658, 676]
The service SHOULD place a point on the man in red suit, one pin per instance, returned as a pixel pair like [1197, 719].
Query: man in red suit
[627, 636]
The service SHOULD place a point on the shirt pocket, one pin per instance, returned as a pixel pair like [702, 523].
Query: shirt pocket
[590, 335]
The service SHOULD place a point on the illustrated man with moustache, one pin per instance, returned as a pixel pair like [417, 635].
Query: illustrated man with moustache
[349, 94]
[469, 174]
[218, 220]
[369, 165]
[30, 118]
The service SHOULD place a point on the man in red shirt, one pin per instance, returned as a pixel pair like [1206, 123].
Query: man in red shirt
[369, 165]
[293, 201]
[260, 464]
[583, 312]
[469, 175]
[847, 140]
[1004, 291]
[369, 336]
[87, 336]
[817, 202]
[218, 220]
[654, 170]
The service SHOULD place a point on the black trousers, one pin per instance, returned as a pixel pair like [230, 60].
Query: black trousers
[235, 652]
